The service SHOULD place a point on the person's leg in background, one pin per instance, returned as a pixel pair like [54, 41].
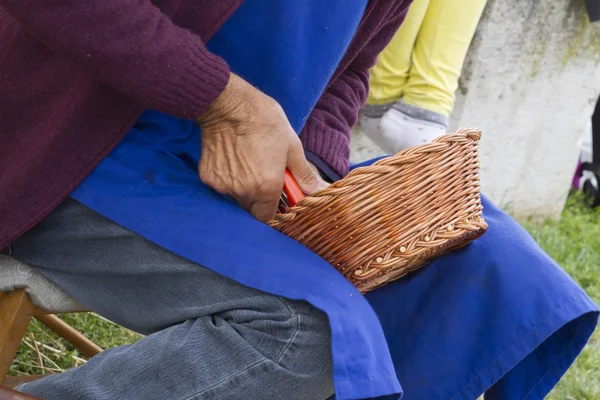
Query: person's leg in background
[425, 98]
[388, 77]
[391, 73]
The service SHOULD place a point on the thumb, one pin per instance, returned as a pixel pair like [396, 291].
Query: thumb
[304, 172]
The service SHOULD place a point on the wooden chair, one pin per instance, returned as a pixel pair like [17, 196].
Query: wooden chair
[24, 293]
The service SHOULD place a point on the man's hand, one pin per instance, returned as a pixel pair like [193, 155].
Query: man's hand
[247, 143]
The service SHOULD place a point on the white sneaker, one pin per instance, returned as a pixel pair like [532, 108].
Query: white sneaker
[369, 126]
[398, 131]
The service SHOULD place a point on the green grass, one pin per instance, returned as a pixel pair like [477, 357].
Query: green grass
[574, 242]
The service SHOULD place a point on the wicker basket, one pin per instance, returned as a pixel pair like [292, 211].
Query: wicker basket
[383, 221]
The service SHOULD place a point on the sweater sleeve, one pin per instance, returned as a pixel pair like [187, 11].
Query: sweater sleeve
[130, 45]
[326, 134]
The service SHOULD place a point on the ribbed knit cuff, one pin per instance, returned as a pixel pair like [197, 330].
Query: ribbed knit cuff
[330, 145]
[195, 77]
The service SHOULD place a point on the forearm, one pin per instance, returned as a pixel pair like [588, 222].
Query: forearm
[326, 135]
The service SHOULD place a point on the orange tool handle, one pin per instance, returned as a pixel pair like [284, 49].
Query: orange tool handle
[292, 189]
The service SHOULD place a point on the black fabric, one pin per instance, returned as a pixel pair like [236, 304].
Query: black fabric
[6, 251]
[596, 132]
[592, 192]
[591, 167]
[593, 7]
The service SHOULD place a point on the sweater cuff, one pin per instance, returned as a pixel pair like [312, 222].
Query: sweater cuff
[196, 78]
[329, 145]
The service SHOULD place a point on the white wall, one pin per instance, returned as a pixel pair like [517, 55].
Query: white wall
[530, 83]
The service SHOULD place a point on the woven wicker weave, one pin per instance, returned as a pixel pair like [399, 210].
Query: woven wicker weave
[383, 221]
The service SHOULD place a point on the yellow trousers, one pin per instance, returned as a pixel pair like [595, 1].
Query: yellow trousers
[423, 62]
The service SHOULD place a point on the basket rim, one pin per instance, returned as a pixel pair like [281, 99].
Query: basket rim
[473, 134]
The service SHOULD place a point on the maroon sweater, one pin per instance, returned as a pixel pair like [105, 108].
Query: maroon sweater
[75, 76]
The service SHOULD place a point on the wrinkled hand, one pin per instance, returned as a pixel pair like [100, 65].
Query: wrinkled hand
[247, 143]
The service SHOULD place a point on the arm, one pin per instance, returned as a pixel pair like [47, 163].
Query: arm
[247, 141]
[326, 134]
[130, 45]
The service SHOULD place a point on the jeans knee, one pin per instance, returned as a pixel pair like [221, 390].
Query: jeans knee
[293, 336]
[308, 352]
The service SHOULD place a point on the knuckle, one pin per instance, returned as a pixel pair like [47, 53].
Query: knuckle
[273, 105]
[295, 143]
[206, 176]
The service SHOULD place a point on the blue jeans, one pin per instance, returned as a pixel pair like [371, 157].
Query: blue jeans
[208, 337]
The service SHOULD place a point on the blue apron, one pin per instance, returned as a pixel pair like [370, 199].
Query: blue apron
[499, 315]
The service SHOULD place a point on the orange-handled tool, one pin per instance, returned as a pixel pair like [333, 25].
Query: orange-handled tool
[291, 192]
[292, 189]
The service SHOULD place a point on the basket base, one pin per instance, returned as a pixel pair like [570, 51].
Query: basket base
[413, 264]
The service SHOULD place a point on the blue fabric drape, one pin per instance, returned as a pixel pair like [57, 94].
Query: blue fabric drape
[498, 314]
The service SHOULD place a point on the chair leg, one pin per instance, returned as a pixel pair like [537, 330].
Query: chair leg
[81, 343]
[15, 313]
